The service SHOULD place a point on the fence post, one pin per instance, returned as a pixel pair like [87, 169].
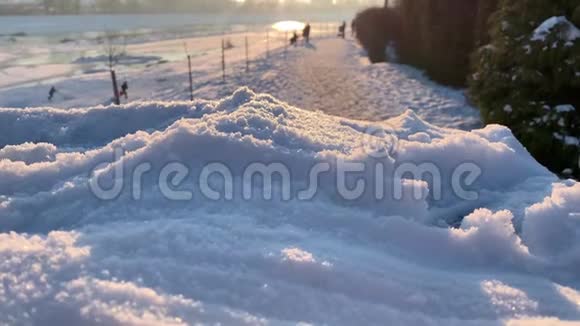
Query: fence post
[247, 56]
[223, 60]
[190, 78]
[115, 87]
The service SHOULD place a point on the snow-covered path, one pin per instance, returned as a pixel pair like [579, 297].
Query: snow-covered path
[333, 75]
[323, 78]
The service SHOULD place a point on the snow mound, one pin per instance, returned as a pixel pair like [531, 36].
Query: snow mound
[569, 31]
[29, 152]
[92, 126]
[502, 246]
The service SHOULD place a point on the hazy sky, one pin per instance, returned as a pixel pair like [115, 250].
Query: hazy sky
[161, 5]
[281, 1]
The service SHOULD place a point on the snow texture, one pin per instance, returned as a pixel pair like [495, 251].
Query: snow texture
[570, 32]
[70, 258]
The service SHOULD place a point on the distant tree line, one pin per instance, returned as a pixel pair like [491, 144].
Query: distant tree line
[61, 6]
[529, 82]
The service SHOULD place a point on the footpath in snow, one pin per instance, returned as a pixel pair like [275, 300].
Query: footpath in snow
[77, 249]
[334, 76]
[329, 75]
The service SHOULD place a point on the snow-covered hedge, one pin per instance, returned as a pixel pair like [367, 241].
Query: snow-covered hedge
[528, 79]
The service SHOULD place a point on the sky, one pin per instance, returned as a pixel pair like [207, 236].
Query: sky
[281, 1]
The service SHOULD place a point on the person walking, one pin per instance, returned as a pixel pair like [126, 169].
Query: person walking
[306, 33]
[342, 30]
[124, 89]
[51, 93]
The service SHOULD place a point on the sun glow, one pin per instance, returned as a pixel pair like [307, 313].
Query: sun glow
[288, 26]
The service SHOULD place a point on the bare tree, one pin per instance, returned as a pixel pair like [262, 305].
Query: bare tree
[114, 47]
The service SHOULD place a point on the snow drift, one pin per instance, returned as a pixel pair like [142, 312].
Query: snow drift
[509, 252]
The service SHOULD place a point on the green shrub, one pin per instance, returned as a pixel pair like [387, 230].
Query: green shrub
[529, 81]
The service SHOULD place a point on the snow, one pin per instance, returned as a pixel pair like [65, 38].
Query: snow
[357, 89]
[455, 225]
[549, 227]
[564, 108]
[329, 75]
[570, 31]
[14, 75]
[127, 59]
[29, 152]
[568, 140]
[71, 258]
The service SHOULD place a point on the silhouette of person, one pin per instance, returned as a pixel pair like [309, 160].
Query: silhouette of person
[306, 33]
[124, 89]
[342, 29]
[294, 39]
[51, 93]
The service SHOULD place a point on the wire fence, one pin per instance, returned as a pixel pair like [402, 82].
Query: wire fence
[241, 49]
[248, 47]
[258, 44]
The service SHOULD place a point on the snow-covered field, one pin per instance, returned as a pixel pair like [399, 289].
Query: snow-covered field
[33, 47]
[329, 75]
[154, 212]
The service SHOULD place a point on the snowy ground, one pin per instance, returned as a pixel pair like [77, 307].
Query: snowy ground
[334, 76]
[70, 257]
[486, 236]
[330, 75]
